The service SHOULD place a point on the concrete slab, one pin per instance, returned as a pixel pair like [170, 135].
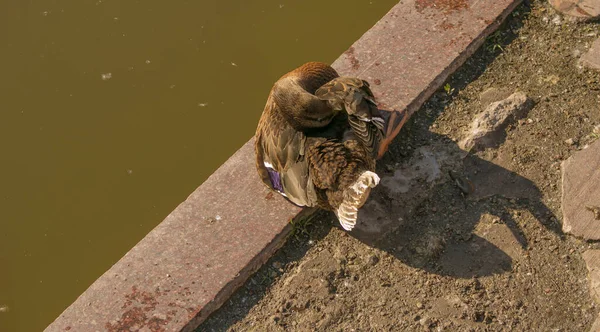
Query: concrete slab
[581, 10]
[591, 59]
[592, 261]
[196, 258]
[581, 193]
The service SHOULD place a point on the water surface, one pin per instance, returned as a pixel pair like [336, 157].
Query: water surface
[112, 112]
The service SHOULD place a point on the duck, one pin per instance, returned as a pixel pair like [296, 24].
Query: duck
[318, 139]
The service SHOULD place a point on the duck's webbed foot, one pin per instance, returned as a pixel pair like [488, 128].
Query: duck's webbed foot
[354, 198]
[394, 121]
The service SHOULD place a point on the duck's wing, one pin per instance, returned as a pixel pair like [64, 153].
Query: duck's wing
[355, 96]
[349, 93]
[280, 160]
[278, 146]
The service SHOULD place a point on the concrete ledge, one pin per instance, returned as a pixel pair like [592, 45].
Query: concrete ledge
[193, 261]
[210, 244]
[418, 44]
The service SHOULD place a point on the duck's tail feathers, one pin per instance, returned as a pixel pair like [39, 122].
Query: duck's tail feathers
[368, 131]
[354, 198]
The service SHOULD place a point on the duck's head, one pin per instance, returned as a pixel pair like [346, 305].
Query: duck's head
[294, 96]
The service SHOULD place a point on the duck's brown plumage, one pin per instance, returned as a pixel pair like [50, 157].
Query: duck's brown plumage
[320, 144]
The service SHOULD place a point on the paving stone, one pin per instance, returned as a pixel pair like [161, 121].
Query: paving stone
[591, 59]
[489, 125]
[584, 10]
[209, 245]
[592, 261]
[581, 193]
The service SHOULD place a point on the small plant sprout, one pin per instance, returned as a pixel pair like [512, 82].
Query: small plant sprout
[449, 90]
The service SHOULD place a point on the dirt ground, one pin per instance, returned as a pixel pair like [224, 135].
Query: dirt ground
[440, 260]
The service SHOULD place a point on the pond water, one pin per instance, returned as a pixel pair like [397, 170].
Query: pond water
[112, 112]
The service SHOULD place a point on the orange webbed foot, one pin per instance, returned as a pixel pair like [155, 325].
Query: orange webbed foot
[394, 123]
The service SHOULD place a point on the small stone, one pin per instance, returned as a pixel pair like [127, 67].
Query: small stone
[106, 77]
[570, 141]
[488, 126]
[596, 130]
[553, 79]
[159, 316]
[464, 184]
[277, 265]
[425, 321]
[373, 260]
[556, 20]
[420, 305]
[3, 308]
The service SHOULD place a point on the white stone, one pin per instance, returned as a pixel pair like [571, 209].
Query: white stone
[494, 119]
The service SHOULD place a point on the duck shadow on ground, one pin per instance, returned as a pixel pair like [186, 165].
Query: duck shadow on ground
[420, 216]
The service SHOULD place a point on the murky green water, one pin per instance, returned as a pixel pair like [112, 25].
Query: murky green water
[112, 112]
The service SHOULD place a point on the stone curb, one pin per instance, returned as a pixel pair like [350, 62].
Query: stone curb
[190, 264]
